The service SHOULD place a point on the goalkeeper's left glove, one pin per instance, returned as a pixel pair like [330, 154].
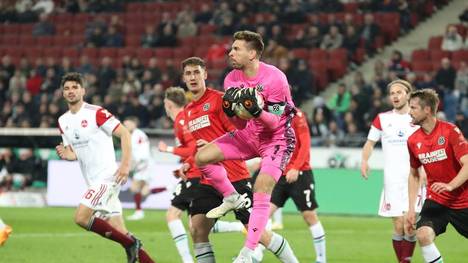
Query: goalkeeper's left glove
[248, 99]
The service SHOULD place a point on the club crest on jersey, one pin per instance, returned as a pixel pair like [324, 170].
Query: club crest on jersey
[206, 106]
[419, 145]
[441, 140]
[259, 87]
[84, 123]
[401, 134]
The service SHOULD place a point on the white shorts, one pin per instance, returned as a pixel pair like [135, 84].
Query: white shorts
[141, 172]
[103, 197]
[394, 200]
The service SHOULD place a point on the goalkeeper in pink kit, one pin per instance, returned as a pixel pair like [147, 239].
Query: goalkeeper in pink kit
[268, 135]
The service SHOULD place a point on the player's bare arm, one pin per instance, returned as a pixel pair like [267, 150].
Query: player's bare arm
[366, 153]
[126, 146]
[413, 186]
[65, 152]
[460, 179]
[291, 175]
[201, 143]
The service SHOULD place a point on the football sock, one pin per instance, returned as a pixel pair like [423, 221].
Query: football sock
[407, 248]
[224, 226]
[2, 224]
[180, 238]
[278, 216]
[158, 190]
[280, 247]
[144, 257]
[104, 229]
[397, 242]
[137, 199]
[204, 253]
[258, 219]
[431, 254]
[318, 233]
[219, 179]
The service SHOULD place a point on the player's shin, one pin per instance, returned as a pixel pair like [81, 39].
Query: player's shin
[397, 242]
[407, 248]
[179, 236]
[318, 233]
[204, 252]
[431, 254]
[103, 228]
[258, 219]
[280, 247]
[219, 179]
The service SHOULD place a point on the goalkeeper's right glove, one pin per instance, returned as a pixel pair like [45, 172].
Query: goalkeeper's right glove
[230, 98]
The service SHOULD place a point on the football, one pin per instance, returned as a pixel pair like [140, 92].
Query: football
[243, 113]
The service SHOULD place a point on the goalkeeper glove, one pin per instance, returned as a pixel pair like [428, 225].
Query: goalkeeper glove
[230, 98]
[248, 99]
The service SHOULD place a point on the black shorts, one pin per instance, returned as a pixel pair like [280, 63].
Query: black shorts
[302, 192]
[438, 216]
[207, 198]
[183, 193]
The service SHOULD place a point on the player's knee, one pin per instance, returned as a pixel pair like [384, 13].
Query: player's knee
[425, 235]
[81, 220]
[172, 214]
[310, 217]
[264, 184]
[198, 234]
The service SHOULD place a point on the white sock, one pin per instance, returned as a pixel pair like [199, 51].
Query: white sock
[204, 253]
[318, 233]
[280, 247]
[431, 254]
[224, 226]
[180, 238]
[278, 216]
[258, 253]
[2, 224]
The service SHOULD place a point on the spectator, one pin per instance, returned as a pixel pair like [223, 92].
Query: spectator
[274, 52]
[461, 86]
[155, 70]
[462, 122]
[43, 7]
[427, 82]
[149, 38]
[332, 40]
[7, 70]
[96, 39]
[34, 82]
[277, 35]
[244, 24]
[293, 14]
[299, 40]
[445, 76]
[136, 67]
[354, 137]
[43, 27]
[334, 135]
[302, 83]
[452, 40]
[319, 128]
[186, 28]
[85, 66]
[369, 33]
[405, 16]
[166, 21]
[221, 12]
[167, 38]
[106, 74]
[113, 38]
[17, 83]
[205, 14]
[398, 65]
[313, 39]
[339, 103]
[351, 41]
[464, 17]
[227, 26]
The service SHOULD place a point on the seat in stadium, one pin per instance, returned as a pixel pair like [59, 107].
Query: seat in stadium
[302, 53]
[339, 54]
[70, 52]
[126, 51]
[26, 29]
[183, 52]
[164, 53]
[32, 53]
[27, 40]
[207, 29]
[144, 53]
[90, 52]
[44, 41]
[107, 52]
[132, 40]
[438, 55]
[55, 52]
[12, 29]
[422, 66]
[318, 54]
[62, 41]
[435, 42]
[420, 55]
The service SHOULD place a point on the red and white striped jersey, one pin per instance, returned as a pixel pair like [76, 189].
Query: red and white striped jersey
[89, 133]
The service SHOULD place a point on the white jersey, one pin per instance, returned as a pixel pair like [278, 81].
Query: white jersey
[89, 132]
[393, 129]
[140, 146]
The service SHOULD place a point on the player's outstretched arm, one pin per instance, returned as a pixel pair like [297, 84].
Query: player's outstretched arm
[65, 152]
[366, 153]
[126, 146]
[457, 181]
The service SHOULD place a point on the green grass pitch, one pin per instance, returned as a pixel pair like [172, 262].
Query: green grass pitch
[49, 235]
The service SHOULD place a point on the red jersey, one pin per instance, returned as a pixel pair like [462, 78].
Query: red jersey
[206, 120]
[300, 159]
[186, 146]
[439, 153]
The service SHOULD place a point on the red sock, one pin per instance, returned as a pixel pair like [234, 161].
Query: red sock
[137, 198]
[144, 257]
[104, 229]
[407, 249]
[157, 190]
[397, 246]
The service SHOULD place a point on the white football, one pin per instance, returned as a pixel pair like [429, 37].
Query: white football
[242, 113]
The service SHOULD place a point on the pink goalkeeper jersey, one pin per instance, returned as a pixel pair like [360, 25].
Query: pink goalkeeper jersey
[273, 85]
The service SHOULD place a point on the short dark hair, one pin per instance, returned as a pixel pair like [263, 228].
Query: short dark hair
[73, 76]
[176, 95]
[427, 97]
[408, 87]
[254, 40]
[193, 61]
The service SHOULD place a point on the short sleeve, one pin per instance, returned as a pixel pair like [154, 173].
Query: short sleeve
[64, 138]
[414, 161]
[458, 143]
[106, 121]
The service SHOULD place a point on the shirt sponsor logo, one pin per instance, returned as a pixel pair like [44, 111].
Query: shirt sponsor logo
[433, 156]
[441, 140]
[198, 123]
[84, 123]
